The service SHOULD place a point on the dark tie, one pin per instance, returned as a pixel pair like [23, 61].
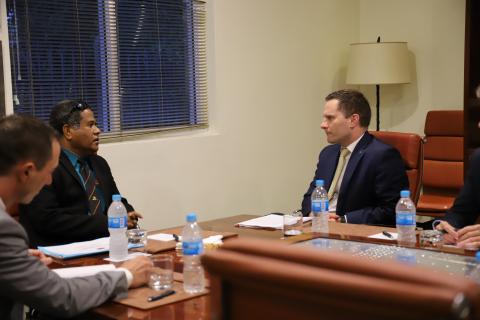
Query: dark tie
[90, 184]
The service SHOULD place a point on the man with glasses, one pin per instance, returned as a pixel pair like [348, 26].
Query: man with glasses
[74, 207]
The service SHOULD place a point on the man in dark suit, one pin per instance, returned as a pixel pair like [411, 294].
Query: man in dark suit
[74, 207]
[363, 175]
[461, 220]
[29, 154]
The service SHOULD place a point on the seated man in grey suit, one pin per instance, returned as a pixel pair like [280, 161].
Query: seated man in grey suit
[29, 154]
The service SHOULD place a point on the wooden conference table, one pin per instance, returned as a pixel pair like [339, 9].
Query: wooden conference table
[199, 307]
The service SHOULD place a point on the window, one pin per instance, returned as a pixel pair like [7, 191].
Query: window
[141, 64]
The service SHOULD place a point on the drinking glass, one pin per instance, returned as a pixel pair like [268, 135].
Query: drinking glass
[137, 237]
[161, 277]
[293, 223]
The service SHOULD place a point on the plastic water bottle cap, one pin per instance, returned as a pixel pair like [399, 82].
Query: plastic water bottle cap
[116, 197]
[319, 183]
[191, 217]
[405, 193]
[477, 256]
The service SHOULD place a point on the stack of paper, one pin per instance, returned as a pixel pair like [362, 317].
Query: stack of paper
[163, 237]
[80, 249]
[270, 221]
[83, 271]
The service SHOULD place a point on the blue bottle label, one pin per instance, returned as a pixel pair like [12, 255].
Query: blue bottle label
[192, 248]
[319, 205]
[117, 222]
[405, 219]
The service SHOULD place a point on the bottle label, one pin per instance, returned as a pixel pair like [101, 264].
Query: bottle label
[405, 218]
[117, 222]
[319, 205]
[192, 248]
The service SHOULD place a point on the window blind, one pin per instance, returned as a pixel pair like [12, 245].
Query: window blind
[141, 64]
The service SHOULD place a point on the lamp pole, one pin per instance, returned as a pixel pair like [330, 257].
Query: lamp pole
[378, 99]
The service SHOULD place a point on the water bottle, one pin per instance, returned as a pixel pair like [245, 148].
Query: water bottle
[117, 227]
[406, 218]
[319, 208]
[192, 247]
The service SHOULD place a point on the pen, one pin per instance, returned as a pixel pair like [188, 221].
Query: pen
[177, 239]
[387, 234]
[161, 296]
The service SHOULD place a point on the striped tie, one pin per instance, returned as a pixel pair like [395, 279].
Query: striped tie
[90, 184]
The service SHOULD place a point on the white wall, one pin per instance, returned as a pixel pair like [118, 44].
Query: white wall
[435, 32]
[271, 62]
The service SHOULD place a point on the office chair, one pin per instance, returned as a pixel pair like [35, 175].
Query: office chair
[265, 279]
[410, 146]
[443, 162]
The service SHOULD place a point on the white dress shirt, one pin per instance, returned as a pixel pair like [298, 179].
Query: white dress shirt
[332, 205]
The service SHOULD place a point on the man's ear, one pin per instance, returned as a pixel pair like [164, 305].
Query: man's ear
[24, 170]
[67, 131]
[355, 120]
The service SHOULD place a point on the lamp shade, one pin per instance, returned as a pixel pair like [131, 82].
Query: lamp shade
[378, 63]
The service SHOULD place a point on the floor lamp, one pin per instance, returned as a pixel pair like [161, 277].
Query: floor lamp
[378, 63]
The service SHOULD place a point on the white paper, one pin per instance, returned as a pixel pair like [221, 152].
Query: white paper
[129, 256]
[83, 271]
[216, 239]
[384, 237]
[162, 237]
[274, 221]
[79, 249]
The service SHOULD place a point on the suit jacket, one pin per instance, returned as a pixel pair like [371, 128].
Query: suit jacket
[26, 280]
[371, 185]
[59, 213]
[466, 208]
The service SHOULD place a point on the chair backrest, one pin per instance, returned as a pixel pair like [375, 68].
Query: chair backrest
[443, 159]
[264, 279]
[410, 146]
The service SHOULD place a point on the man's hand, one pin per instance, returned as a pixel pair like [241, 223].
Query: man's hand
[140, 268]
[469, 237]
[332, 216]
[133, 217]
[451, 236]
[40, 255]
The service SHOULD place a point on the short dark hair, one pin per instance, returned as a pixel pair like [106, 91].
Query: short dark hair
[350, 102]
[67, 112]
[24, 138]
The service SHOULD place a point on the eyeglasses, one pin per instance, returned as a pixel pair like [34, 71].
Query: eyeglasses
[80, 106]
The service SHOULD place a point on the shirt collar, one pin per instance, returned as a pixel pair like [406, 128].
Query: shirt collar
[71, 155]
[352, 145]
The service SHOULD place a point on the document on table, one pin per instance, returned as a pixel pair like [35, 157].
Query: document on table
[83, 271]
[80, 249]
[270, 221]
[384, 236]
[162, 237]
